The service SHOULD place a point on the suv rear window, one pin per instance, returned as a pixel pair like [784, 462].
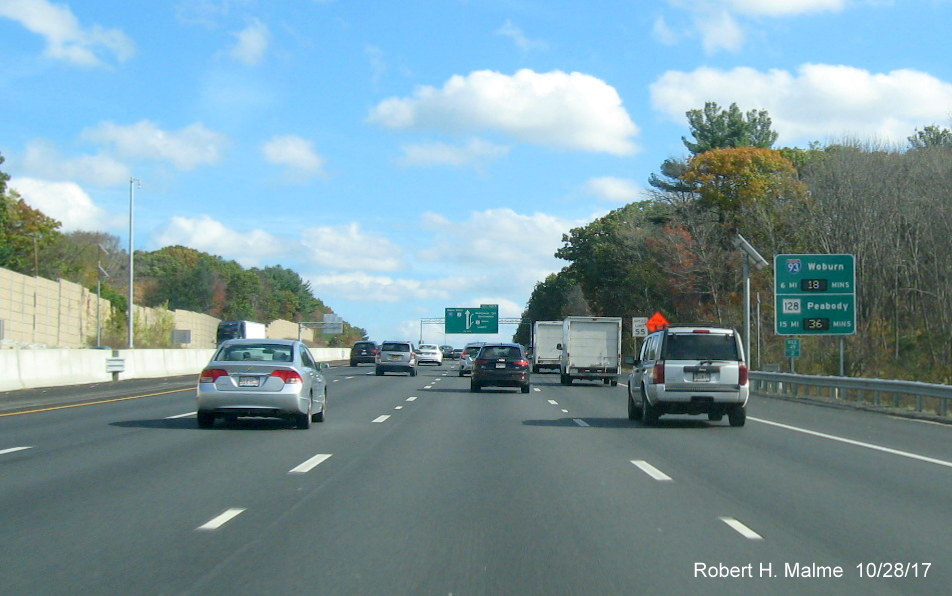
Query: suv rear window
[495, 352]
[395, 347]
[700, 346]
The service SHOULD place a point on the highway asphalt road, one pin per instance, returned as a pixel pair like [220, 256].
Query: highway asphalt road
[414, 485]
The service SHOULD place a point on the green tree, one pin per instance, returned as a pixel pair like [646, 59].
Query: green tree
[931, 136]
[715, 128]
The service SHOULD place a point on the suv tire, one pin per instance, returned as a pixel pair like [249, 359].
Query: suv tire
[649, 413]
[737, 416]
[633, 412]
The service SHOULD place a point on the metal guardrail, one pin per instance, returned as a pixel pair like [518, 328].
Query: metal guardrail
[926, 398]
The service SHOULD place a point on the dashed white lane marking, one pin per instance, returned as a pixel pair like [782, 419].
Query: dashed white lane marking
[398, 408]
[412, 398]
[310, 464]
[381, 418]
[564, 411]
[221, 520]
[580, 422]
[651, 470]
[536, 389]
[348, 378]
[13, 450]
[337, 380]
[428, 387]
[741, 529]
[814, 433]
[553, 402]
[185, 415]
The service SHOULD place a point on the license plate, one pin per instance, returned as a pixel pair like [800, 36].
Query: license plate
[500, 365]
[394, 357]
[702, 377]
[248, 382]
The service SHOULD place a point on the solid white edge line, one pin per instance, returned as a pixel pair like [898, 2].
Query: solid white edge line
[185, 415]
[381, 418]
[741, 528]
[651, 470]
[310, 464]
[814, 433]
[14, 450]
[580, 422]
[221, 520]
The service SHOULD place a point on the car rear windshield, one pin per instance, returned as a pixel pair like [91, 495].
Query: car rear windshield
[700, 346]
[255, 352]
[496, 352]
[395, 347]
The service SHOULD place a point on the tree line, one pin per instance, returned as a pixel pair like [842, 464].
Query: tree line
[890, 206]
[173, 277]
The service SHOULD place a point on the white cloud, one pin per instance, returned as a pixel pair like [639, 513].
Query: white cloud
[662, 33]
[783, 8]
[252, 43]
[363, 287]
[555, 109]
[519, 38]
[345, 248]
[203, 233]
[817, 102]
[187, 149]
[296, 153]
[718, 29]
[428, 154]
[63, 201]
[66, 38]
[612, 189]
[43, 160]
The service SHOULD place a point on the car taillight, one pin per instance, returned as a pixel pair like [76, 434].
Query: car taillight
[481, 363]
[522, 363]
[210, 375]
[742, 374]
[374, 352]
[657, 373]
[288, 376]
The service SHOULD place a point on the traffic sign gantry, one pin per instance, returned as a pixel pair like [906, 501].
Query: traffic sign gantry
[484, 319]
[815, 294]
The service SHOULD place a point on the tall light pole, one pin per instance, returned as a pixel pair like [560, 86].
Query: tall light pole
[751, 257]
[132, 184]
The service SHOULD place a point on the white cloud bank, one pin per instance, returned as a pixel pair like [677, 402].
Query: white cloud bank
[558, 110]
[66, 38]
[817, 102]
[250, 248]
[296, 153]
[65, 202]
[612, 189]
[186, 149]
[251, 43]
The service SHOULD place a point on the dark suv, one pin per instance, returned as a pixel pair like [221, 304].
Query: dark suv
[364, 351]
[500, 365]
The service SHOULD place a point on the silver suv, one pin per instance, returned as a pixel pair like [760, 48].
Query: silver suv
[690, 370]
[397, 356]
[468, 355]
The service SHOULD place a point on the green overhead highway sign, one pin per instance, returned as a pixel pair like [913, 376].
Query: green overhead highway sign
[483, 319]
[815, 294]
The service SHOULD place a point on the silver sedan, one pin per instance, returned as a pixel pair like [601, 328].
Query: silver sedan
[265, 378]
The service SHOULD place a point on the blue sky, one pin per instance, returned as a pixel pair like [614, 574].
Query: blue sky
[405, 157]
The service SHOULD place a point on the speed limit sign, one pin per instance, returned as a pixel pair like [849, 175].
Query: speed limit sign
[639, 326]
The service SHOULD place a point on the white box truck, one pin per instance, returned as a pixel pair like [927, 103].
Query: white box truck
[591, 349]
[241, 330]
[546, 337]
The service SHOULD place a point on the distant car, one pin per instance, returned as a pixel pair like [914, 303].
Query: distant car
[363, 352]
[430, 353]
[690, 370]
[500, 365]
[457, 353]
[397, 356]
[447, 352]
[264, 378]
[467, 356]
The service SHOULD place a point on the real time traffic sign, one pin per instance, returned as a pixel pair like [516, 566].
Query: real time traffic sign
[484, 319]
[815, 294]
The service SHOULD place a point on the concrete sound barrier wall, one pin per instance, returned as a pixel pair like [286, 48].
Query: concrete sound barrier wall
[30, 369]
